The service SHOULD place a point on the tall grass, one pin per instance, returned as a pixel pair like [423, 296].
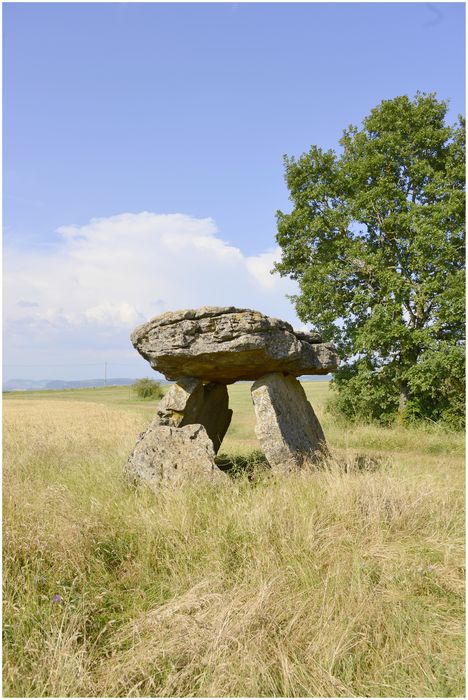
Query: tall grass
[343, 582]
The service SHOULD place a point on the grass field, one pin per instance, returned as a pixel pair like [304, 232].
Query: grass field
[343, 582]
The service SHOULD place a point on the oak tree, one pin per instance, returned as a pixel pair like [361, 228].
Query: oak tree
[376, 242]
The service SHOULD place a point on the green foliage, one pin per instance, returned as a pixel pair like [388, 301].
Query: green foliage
[437, 384]
[148, 389]
[363, 394]
[436, 389]
[376, 241]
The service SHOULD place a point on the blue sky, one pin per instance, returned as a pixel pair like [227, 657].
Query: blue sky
[183, 111]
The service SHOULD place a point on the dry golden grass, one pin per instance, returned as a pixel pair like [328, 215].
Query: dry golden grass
[343, 582]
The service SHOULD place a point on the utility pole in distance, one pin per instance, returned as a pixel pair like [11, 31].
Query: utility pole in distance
[105, 373]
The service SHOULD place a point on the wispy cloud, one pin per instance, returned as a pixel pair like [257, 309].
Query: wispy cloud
[437, 15]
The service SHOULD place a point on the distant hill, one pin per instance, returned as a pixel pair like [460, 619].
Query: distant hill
[45, 384]
[57, 384]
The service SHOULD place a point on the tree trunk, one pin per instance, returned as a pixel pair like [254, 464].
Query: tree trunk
[404, 396]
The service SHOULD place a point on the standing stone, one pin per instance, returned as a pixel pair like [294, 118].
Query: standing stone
[215, 414]
[182, 404]
[188, 401]
[287, 427]
[166, 455]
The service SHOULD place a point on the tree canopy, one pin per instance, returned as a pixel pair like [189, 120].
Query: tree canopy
[376, 241]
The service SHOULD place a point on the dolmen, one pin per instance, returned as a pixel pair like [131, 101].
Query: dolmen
[202, 351]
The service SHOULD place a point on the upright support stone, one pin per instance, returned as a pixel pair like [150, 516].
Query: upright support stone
[190, 402]
[182, 404]
[287, 427]
[215, 414]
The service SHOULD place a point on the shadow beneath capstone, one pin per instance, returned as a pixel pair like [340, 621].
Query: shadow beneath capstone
[353, 464]
[250, 466]
[367, 463]
[255, 467]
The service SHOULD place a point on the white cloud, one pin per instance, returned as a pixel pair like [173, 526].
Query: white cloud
[107, 276]
[114, 314]
[260, 267]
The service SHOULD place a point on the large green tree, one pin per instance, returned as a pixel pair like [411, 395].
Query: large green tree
[375, 240]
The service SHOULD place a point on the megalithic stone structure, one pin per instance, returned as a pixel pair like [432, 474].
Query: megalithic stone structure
[205, 349]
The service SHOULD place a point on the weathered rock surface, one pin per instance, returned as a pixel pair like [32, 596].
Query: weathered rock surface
[287, 428]
[189, 401]
[166, 455]
[225, 344]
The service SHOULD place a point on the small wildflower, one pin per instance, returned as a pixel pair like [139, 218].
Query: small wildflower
[57, 598]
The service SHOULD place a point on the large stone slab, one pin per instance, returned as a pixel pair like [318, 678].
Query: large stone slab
[226, 344]
[189, 401]
[287, 428]
[167, 455]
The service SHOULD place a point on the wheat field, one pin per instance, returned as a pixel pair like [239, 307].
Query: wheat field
[344, 582]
